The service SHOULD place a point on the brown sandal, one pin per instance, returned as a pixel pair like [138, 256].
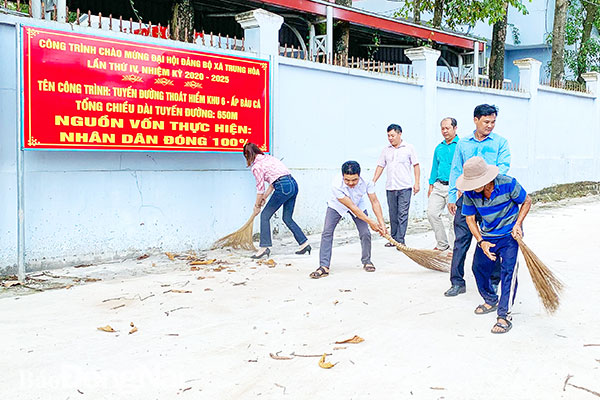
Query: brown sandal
[321, 272]
[369, 267]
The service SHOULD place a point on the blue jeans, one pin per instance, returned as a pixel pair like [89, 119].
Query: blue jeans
[462, 242]
[286, 190]
[506, 251]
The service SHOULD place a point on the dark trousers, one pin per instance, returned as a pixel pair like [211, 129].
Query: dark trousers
[462, 242]
[285, 193]
[398, 204]
[506, 251]
[332, 218]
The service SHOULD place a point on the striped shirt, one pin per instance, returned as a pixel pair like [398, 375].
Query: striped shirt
[266, 168]
[498, 213]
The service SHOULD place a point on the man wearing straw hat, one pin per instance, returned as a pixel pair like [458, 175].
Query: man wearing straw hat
[496, 198]
[494, 149]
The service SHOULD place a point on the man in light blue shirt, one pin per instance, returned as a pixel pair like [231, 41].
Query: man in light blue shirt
[494, 150]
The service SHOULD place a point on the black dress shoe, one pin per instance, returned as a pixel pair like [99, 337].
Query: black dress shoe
[267, 252]
[304, 250]
[455, 290]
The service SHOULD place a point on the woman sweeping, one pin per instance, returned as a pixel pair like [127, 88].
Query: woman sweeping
[284, 188]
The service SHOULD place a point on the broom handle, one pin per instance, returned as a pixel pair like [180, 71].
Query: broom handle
[394, 242]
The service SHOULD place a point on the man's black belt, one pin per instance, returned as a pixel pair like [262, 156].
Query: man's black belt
[442, 182]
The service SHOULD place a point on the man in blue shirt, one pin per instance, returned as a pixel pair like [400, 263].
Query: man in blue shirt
[494, 150]
[496, 198]
[438, 184]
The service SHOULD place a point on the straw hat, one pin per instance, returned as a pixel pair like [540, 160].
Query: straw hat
[476, 173]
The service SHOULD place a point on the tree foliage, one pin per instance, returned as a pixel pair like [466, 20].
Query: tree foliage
[462, 12]
[456, 13]
[583, 52]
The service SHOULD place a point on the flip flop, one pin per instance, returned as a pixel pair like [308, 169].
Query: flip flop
[369, 267]
[484, 309]
[321, 272]
[505, 327]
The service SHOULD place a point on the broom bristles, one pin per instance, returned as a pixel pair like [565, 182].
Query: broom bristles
[430, 259]
[240, 239]
[547, 285]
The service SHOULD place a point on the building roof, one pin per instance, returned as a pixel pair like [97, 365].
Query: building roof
[376, 21]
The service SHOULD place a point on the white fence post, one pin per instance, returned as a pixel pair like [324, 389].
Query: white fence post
[424, 62]
[261, 36]
[592, 84]
[529, 81]
[261, 31]
[529, 74]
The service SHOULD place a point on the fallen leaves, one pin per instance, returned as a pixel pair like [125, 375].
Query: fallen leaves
[269, 263]
[134, 329]
[170, 255]
[203, 262]
[354, 339]
[276, 356]
[323, 364]
[106, 328]
[143, 256]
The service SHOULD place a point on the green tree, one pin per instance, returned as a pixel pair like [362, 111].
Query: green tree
[342, 33]
[557, 71]
[582, 17]
[182, 21]
[453, 13]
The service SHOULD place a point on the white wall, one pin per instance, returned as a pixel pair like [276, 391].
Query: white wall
[95, 206]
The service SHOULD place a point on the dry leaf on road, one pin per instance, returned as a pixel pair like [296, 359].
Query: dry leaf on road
[8, 284]
[324, 364]
[180, 291]
[170, 255]
[354, 339]
[106, 328]
[203, 262]
[276, 356]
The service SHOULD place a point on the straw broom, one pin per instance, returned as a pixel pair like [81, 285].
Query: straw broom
[430, 259]
[547, 285]
[240, 239]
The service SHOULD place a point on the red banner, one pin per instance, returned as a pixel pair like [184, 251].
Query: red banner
[92, 93]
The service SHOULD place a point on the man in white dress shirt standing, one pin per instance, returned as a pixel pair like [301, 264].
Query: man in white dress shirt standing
[401, 161]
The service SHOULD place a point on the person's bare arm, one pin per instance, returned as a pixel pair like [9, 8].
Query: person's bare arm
[378, 211]
[485, 246]
[378, 172]
[261, 199]
[417, 186]
[517, 231]
[360, 214]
